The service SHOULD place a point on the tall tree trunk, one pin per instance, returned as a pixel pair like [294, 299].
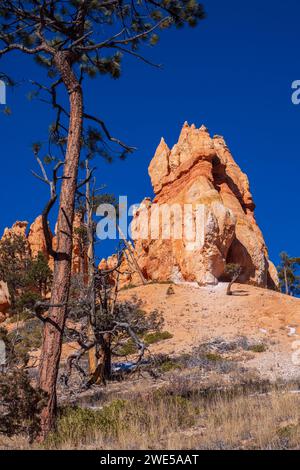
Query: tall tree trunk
[52, 335]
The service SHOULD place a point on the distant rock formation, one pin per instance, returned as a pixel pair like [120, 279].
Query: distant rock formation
[35, 241]
[19, 228]
[200, 170]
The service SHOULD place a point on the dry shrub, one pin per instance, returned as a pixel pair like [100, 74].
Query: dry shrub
[20, 404]
[122, 423]
[159, 420]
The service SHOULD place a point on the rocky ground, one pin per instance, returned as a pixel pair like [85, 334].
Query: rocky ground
[228, 379]
[195, 315]
[256, 328]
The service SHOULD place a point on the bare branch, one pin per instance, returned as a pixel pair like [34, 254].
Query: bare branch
[50, 203]
[139, 56]
[103, 126]
[87, 179]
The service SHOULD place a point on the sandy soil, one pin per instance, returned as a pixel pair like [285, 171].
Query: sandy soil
[195, 315]
[198, 314]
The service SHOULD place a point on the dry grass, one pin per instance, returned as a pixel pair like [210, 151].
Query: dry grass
[165, 421]
[270, 421]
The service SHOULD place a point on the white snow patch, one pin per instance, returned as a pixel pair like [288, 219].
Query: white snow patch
[292, 330]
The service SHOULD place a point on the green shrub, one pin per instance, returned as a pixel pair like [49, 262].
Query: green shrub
[168, 365]
[77, 424]
[23, 316]
[286, 432]
[258, 348]
[213, 357]
[20, 404]
[157, 336]
[129, 286]
[160, 282]
[27, 338]
[27, 300]
[127, 348]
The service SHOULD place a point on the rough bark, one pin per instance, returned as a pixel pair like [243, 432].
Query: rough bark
[102, 371]
[92, 354]
[52, 335]
[105, 356]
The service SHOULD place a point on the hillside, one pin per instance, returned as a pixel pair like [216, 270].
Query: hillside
[196, 315]
[212, 394]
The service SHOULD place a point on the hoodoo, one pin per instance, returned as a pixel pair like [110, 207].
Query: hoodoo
[200, 172]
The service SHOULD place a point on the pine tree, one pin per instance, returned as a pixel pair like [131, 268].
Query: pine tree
[288, 277]
[75, 40]
[39, 275]
[14, 261]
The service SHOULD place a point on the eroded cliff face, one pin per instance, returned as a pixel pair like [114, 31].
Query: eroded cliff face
[36, 239]
[199, 171]
[34, 243]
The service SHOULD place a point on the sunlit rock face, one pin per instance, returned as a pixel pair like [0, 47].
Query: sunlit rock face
[201, 218]
[199, 176]
[35, 241]
[36, 238]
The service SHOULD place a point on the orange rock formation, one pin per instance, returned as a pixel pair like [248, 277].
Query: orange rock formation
[35, 241]
[200, 171]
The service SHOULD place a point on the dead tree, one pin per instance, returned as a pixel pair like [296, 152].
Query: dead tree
[72, 40]
[88, 201]
[91, 267]
[113, 324]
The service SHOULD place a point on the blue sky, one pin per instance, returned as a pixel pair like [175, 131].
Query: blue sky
[233, 73]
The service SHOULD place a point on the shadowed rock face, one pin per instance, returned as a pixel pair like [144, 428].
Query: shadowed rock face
[200, 170]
